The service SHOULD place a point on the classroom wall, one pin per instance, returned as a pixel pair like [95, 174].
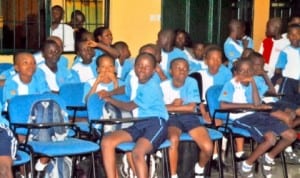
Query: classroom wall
[140, 29]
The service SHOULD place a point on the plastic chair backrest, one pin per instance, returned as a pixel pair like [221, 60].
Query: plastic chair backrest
[197, 76]
[19, 107]
[72, 94]
[212, 96]
[94, 107]
[5, 66]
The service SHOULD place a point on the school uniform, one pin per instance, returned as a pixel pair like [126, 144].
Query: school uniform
[220, 78]
[257, 123]
[189, 93]
[151, 108]
[14, 86]
[7, 73]
[85, 71]
[289, 62]
[168, 57]
[54, 80]
[39, 58]
[233, 51]
[8, 142]
[123, 70]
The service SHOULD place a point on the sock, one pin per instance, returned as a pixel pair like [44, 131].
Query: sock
[174, 176]
[40, 166]
[239, 154]
[246, 167]
[199, 169]
[224, 143]
[215, 156]
[288, 149]
[268, 159]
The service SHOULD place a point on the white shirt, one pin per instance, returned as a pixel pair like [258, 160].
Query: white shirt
[66, 34]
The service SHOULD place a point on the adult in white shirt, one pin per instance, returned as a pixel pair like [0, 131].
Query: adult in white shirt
[63, 31]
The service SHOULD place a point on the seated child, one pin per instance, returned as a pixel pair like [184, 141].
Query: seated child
[242, 92]
[25, 81]
[198, 62]
[148, 133]
[8, 148]
[123, 63]
[181, 94]
[54, 74]
[86, 68]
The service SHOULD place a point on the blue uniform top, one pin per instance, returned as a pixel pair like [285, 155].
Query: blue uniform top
[131, 83]
[235, 92]
[39, 59]
[233, 51]
[149, 101]
[85, 71]
[220, 78]
[62, 76]
[14, 86]
[123, 70]
[189, 92]
[7, 73]
[168, 57]
[2, 119]
[289, 61]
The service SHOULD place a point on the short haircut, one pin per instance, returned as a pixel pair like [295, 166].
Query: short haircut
[99, 32]
[77, 12]
[57, 7]
[18, 54]
[211, 48]
[120, 45]
[47, 43]
[78, 43]
[176, 60]
[149, 45]
[293, 26]
[99, 58]
[147, 55]
[239, 63]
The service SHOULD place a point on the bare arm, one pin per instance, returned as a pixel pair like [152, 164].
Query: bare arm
[110, 50]
[127, 106]
[177, 106]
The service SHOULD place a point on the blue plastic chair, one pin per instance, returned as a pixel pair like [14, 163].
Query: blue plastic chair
[227, 129]
[5, 66]
[72, 94]
[19, 111]
[23, 157]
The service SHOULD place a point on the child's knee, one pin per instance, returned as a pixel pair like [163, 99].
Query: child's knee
[138, 154]
[270, 138]
[207, 147]
[289, 135]
[174, 139]
[106, 142]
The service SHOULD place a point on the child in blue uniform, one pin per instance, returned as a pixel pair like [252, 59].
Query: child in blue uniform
[124, 64]
[54, 74]
[241, 92]
[148, 133]
[85, 67]
[181, 94]
[25, 81]
[8, 148]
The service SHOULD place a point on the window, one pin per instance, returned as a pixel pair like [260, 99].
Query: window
[24, 24]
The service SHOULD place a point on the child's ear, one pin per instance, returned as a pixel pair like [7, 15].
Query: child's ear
[16, 68]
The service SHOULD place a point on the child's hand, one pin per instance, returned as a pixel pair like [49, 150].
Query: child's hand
[177, 102]
[103, 94]
[245, 43]
[92, 43]
[263, 107]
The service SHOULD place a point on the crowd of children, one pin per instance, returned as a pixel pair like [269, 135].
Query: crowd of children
[162, 94]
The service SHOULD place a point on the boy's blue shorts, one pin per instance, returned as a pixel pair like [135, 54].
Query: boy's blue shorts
[259, 123]
[152, 128]
[185, 122]
[8, 142]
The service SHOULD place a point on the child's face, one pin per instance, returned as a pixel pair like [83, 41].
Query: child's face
[125, 53]
[258, 65]
[198, 51]
[213, 61]
[25, 65]
[179, 70]
[57, 15]
[106, 37]
[51, 53]
[180, 40]
[144, 69]
[156, 53]
[294, 37]
[272, 29]
[85, 52]
[244, 73]
[106, 66]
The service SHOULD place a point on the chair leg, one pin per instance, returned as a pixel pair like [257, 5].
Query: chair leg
[93, 165]
[233, 155]
[283, 164]
[221, 175]
[166, 165]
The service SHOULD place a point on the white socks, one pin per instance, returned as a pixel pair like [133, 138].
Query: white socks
[239, 154]
[174, 176]
[288, 149]
[40, 166]
[246, 167]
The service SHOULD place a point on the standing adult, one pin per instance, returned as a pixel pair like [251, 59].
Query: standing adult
[63, 31]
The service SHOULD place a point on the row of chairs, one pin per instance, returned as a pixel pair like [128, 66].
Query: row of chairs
[19, 108]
